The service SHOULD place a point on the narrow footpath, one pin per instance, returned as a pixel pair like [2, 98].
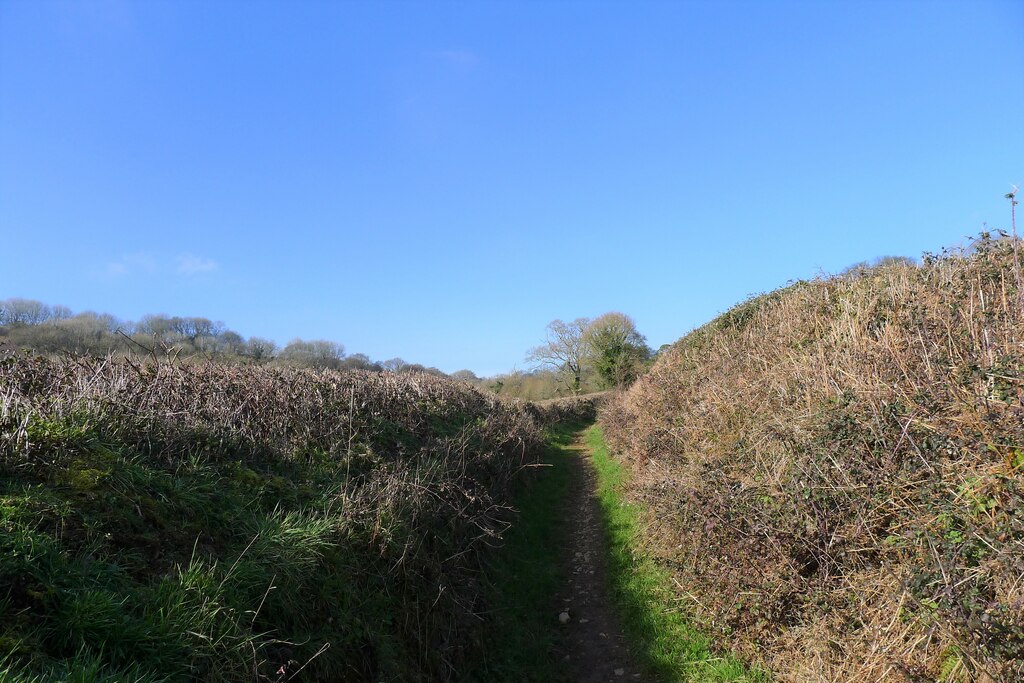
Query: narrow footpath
[594, 648]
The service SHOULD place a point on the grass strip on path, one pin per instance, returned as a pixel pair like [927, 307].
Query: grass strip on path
[669, 646]
[525, 576]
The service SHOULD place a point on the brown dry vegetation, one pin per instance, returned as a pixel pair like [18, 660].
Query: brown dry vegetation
[572, 409]
[212, 522]
[834, 472]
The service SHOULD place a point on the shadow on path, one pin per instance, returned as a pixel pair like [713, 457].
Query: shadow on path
[594, 647]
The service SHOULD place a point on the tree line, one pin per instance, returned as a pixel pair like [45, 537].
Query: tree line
[589, 354]
[31, 324]
[580, 356]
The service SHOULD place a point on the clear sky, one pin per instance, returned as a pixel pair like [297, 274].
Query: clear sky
[438, 181]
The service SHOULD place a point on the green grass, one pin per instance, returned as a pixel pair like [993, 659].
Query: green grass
[524, 579]
[115, 569]
[669, 646]
[525, 576]
[118, 566]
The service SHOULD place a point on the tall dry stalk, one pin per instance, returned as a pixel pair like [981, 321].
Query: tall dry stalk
[1012, 196]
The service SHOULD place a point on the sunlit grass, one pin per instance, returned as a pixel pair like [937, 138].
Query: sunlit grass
[669, 646]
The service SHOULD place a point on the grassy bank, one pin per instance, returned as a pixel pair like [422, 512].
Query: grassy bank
[669, 646]
[203, 522]
[833, 472]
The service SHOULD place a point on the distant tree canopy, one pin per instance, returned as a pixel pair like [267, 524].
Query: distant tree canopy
[26, 323]
[393, 365]
[577, 356]
[602, 353]
[616, 349]
[465, 376]
[259, 348]
[16, 312]
[76, 333]
[318, 353]
[534, 385]
[360, 361]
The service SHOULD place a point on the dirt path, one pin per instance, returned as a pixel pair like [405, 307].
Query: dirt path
[595, 648]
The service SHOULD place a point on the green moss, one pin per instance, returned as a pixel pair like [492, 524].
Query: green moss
[66, 433]
[81, 476]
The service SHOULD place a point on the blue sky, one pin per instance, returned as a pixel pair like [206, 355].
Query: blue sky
[438, 181]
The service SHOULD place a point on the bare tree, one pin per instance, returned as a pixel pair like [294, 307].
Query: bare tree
[229, 341]
[59, 312]
[259, 348]
[565, 349]
[24, 312]
[89, 332]
[360, 361]
[318, 353]
[1012, 196]
[158, 327]
[394, 365]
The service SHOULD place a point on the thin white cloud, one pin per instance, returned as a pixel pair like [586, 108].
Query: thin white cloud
[190, 264]
[139, 262]
[145, 263]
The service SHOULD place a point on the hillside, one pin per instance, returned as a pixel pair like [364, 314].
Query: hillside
[833, 472]
[177, 522]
